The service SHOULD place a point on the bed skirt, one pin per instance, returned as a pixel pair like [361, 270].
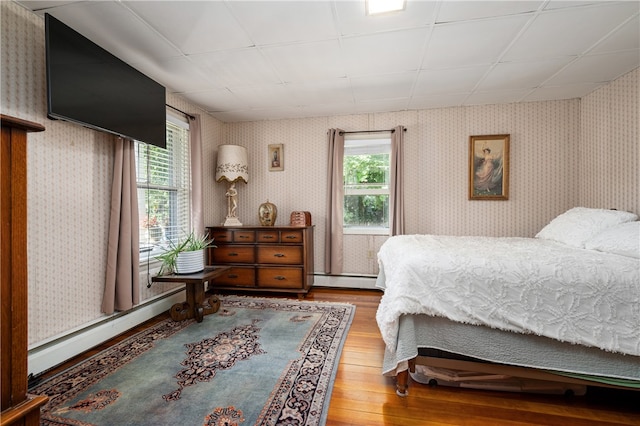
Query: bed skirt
[496, 346]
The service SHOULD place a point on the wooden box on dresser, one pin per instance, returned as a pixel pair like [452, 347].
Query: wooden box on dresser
[263, 258]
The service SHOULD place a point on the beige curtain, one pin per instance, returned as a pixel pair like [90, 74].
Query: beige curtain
[396, 195]
[195, 152]
[333, 258]
[122, 287]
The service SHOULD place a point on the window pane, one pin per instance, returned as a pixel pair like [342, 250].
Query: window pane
[366, 210]
[366, 188]
[164, 200]
[366, 171]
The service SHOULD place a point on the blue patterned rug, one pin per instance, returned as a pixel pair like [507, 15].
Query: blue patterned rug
[257, 361]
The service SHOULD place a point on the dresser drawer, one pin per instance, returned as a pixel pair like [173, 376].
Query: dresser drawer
[233, 254]
[280, 277]
[268, 236]
[293, 236]
[221, 236]
[244, 236]
[237, 276]
[284, 255]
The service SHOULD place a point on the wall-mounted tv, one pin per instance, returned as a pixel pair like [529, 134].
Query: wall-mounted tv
[90, 86]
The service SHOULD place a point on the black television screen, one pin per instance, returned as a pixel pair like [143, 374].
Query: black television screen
[90, 86]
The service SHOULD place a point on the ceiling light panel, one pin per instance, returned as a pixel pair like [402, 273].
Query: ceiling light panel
[375, 7]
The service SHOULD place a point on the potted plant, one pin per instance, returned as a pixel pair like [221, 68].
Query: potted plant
[186, 256]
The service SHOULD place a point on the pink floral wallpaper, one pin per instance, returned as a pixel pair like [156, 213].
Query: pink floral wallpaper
[563, 154]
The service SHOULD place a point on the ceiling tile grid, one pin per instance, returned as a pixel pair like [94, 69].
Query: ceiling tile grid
[264, 60]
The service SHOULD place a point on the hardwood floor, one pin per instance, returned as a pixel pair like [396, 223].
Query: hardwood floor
[362, 396]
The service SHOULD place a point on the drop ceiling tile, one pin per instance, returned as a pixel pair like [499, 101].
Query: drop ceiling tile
[177, 74]
[352, 20]
[471, 43]
[237, 67]
[597, 68]
[561, 92]
[452, 11]
[42, 6]
[562, 4]
[438, 101]
[557, 33]
[448, 80]
[263, 96]
[385, 53]
[284, 54]
[329, 109]
[306, 61]
[518, 75]
[387, 105]
[124, 36]
[321, 92]
[271, 22]
[216, 100]
[497, 97]
[626, 37]
[375, 87]
[204, 26]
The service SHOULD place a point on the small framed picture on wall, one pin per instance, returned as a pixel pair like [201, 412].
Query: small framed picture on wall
[489, 167]
[276, 157]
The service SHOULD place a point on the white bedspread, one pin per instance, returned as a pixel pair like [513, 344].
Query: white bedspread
[523, 285]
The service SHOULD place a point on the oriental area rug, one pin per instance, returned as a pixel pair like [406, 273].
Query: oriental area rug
[257, 361]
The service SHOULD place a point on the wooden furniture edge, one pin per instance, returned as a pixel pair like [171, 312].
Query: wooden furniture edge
[402, 377]
[22, 411]
[19, 123]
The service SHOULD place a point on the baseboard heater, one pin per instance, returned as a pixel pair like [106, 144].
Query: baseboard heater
[57, 350]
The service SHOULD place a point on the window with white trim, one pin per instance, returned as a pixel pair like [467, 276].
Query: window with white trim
[164, 189]
[366, 183]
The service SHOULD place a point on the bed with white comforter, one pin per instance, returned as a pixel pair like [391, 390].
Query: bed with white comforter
[576, 284]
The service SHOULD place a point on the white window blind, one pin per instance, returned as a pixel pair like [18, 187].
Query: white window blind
[163, 177]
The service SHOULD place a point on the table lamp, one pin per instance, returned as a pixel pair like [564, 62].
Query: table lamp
[232, 167]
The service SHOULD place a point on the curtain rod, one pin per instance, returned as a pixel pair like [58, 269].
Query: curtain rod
[371, 131]
[181, 111]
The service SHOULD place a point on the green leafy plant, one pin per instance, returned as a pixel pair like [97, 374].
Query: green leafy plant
[191, 242]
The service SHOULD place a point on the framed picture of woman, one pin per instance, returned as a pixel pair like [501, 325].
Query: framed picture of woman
[276, 160]
[489, 167]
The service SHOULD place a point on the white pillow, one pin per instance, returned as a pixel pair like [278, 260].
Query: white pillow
[579, 224]
[622, 239]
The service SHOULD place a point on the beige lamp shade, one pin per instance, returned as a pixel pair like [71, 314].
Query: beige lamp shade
[232, 164]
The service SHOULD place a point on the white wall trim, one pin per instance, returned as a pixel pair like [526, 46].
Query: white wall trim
[63, 348]
[345, 281]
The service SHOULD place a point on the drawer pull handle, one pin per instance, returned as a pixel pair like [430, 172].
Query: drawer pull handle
[280, 277]
[232, 276]
[268, 237]
[233, 254]
[279, 255]
[291, 237]
[243, 237]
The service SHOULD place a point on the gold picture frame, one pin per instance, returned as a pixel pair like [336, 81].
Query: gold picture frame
[489, 167]
[276, 157]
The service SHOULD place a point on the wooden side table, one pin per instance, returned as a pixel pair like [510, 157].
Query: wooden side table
[195, 306]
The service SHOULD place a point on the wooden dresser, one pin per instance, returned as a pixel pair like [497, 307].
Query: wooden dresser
[263, 258]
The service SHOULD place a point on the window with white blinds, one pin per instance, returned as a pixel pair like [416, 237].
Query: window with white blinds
[164, 182]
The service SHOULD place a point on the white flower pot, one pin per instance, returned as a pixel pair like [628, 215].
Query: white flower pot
[189, 262]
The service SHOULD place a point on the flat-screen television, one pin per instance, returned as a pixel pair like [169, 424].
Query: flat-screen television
[90, 86]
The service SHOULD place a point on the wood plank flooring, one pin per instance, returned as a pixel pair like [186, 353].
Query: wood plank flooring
[362, 396]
